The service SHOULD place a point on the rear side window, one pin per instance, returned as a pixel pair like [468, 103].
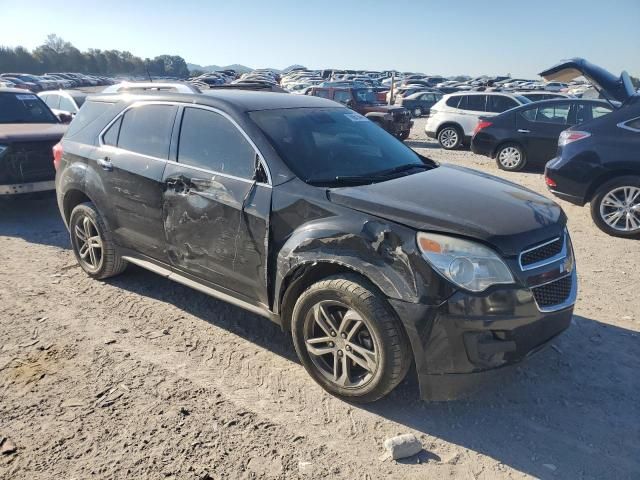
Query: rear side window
[111, 135]
[500, 103]
[554, 114]
[600, 110]
[147, 130]
[453, 102]
[633, 124]
[210, 141]
[88, 114]
[52, 100]
[323, 93]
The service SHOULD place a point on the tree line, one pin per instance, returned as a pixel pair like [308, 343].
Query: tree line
[58, 55]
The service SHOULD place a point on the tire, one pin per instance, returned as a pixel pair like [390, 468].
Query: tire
[417, 112]
[626, 191]
[97, 257]
[450, 137]
[378, 343]
[511, 157]
[404, 135]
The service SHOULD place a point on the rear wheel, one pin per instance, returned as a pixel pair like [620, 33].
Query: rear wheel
[511, 157]
[93, 244]
[349, 340]
[449, 137]
[615, 208]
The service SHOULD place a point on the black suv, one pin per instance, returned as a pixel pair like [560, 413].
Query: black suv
[303, 211]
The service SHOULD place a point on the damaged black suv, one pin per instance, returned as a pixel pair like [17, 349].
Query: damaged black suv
[307, 213]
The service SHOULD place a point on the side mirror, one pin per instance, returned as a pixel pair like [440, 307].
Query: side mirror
[65, 117]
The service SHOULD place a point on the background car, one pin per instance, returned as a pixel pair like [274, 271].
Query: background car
[528, 135]
[419, 103]
[537, 96]
[453, 119]
[28, 132]
[64, 101]
[598, 162]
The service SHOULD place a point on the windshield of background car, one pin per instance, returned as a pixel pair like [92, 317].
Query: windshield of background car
[24, 108]
[365, 95]
[324, 144]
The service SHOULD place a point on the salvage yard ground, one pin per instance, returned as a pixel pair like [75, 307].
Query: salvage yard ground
[138, 377]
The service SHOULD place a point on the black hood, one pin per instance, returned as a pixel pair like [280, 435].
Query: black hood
[461, 201]
[615, 88]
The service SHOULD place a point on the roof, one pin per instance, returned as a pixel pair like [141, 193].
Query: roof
[236, 99]
[16, 90]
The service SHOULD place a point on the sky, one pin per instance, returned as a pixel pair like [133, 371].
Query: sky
[435, 37]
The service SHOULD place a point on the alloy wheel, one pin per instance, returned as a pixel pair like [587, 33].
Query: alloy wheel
[510, 157]
[340, 344]
[620, 209]
[88, 243]
[449, 138]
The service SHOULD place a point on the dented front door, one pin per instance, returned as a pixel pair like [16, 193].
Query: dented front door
[210, 235]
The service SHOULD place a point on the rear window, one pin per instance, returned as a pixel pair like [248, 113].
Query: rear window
[88, 114]
[475, 103]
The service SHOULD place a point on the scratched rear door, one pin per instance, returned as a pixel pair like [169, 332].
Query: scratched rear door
[208, 232]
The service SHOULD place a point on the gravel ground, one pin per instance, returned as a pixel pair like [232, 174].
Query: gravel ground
[138, 377]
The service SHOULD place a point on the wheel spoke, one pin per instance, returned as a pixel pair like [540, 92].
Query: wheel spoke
[86, 225]
[320, 346]
[345, 371]
[95, 242]
[613, 217]
[93, 258]
[323, 319]
[84, 250]
[80, 233]
[367, 359]
[354, 329]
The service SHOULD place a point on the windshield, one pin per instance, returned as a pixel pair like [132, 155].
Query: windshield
[365, 95]
[24, 108]
[334, 146]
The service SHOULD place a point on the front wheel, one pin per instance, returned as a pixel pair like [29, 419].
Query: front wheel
[404, 135]
[349, 339]
[615, 208]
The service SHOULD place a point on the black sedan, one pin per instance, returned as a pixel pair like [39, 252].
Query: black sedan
[528, 135]
[599, 163]
[420, 103]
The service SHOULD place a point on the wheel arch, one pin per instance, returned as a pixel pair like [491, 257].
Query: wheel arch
[607, 177]
[72, 198]
[449, 123]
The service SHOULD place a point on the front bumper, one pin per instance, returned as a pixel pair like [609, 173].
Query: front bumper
[18, 188]
[459, 343]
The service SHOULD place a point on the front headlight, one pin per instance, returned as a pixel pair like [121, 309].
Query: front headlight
[468, 264]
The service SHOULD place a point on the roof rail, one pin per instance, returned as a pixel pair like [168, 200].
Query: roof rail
[178, 87]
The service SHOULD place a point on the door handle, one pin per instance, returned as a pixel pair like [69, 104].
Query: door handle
[522, 130]
[105, 163]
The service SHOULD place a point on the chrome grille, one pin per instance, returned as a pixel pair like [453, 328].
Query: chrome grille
[553, 293]
[545, 251]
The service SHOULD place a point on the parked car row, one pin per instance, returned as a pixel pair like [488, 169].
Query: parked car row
[51, 81]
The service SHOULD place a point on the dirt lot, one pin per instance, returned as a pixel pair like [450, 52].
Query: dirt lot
[138, 377]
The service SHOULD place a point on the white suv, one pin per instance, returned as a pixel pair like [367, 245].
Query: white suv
[453, 119]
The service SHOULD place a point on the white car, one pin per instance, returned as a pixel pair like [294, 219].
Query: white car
[453, 119]
[555, 86]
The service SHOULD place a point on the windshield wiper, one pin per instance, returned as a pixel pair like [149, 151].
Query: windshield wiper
[369, 178]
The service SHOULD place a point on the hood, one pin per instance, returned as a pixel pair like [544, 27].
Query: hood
[381, 107]
[457, 200]
[31, 132]
[615, 88]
